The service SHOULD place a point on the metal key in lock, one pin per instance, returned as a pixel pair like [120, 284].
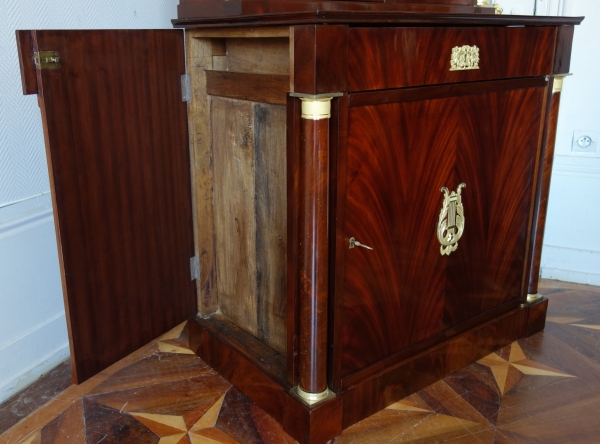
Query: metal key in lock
[355, 243]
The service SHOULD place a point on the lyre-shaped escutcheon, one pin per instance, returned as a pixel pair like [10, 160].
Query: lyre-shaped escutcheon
[451, 223]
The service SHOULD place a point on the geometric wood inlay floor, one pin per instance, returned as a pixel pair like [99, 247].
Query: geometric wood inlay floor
[543, 389]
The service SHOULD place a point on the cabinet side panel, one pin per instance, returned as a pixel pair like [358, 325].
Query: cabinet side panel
[199, 58]
[235, 222]
[564, 45]
[118, 150]
[271, 223]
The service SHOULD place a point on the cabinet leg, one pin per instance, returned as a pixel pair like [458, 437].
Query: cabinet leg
[315, 425]
[536, 316]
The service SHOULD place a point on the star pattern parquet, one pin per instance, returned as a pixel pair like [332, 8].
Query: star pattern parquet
[543, 389]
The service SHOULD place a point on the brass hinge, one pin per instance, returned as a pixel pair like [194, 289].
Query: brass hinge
[186, 88]
[46, 59]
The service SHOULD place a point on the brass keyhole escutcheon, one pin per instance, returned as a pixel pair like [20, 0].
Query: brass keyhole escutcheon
[451, 224]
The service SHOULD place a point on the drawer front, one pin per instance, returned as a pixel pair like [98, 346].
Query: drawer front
[381, 58]
[411, 286]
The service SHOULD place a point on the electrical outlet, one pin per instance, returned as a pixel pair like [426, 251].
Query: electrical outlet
[584, 142]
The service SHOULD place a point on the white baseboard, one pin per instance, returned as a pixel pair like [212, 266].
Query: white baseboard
[33, 333]
[571, 276]
[28, 357]
[25, 215]
[571, 264]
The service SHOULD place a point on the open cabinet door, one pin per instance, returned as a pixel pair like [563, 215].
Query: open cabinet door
[117, 148]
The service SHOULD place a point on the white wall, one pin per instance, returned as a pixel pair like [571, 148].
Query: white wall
[571, 249]
[33, 335]
[572, 239]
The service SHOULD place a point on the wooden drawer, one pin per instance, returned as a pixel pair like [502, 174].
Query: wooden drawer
[381, 58]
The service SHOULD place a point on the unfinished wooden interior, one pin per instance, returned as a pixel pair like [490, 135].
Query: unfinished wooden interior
[239, 82]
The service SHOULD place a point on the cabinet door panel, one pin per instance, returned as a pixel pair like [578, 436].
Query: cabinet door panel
[117, 148]
[399, 157]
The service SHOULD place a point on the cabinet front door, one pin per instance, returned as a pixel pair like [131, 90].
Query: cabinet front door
[405, 156]
[117, 148]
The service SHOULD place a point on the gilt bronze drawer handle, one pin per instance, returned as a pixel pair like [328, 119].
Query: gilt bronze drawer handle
[355, 243]
[464, 57]
[452, 220]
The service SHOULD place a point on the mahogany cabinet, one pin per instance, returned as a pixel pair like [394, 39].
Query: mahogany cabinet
[346, 199]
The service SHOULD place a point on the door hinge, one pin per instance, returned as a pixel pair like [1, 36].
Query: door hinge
[195, 268]
[186, 88]
[46, 59]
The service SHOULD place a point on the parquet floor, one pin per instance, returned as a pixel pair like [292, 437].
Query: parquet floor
[544, 389]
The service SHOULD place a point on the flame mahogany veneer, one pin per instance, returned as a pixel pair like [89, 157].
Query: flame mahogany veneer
[274, 198]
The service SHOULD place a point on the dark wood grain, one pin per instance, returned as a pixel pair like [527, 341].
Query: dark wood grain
[422, 346]
[542, 192]
[117, 148]
[367, 13]
[382, 58]
[263, 88]
[337, 247]
[382, 390]
[293, 148]
[217, 8]
[404, 291]
[320, 59]
[26, 62]
[564, 45]
[313, 255]
[208, 8]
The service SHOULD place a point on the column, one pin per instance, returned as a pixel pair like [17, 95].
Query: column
[314, 249]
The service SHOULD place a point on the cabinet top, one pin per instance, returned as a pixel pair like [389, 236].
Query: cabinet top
[211, 13]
